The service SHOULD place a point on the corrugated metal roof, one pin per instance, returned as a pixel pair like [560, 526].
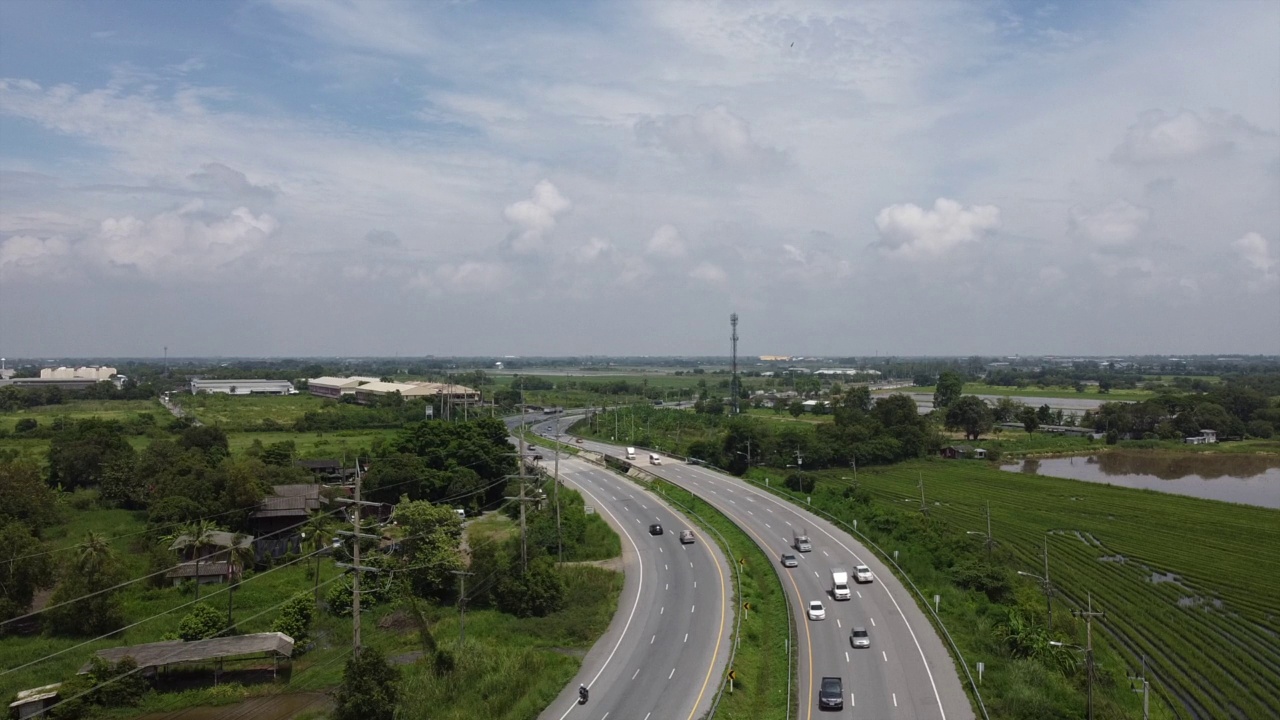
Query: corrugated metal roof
[44, 692]
[310, 490]
[336, 382]
[385, 387]
[168, 652]
[209, 568]
[217, 538]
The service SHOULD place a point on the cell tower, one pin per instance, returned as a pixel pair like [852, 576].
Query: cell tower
[733, 383]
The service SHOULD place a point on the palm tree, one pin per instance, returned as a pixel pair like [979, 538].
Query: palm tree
[94, 556]
[196, 536]
[313, 536]
[239, 555]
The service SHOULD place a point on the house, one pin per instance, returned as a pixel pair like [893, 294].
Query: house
[279, 518]
[208, 562]
[327, 471]
[960, 452]
[1206, 437]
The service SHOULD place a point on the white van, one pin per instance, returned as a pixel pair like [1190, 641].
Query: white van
[654, 459]
[631, 453]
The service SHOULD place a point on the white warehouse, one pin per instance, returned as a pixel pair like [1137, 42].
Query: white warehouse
[243, 387]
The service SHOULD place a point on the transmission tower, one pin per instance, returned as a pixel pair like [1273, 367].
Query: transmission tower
[733, 383]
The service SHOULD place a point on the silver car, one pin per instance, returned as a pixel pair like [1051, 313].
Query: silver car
[860, 638]
[789, 560]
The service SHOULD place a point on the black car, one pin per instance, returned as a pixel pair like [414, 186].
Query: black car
[831, 694]
[655, 529]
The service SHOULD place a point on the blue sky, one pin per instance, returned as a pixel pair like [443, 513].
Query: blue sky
[282, 177]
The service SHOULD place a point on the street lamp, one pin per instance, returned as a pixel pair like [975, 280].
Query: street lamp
[1044, 579]
[1145, 689]
[990, 540]
[1088, 667]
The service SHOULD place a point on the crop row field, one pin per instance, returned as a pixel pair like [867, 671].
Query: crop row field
[1193, 585]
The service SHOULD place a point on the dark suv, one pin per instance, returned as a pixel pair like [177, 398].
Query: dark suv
[655, 529]
[831, 694]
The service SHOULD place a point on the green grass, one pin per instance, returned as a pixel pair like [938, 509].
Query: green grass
[315, 445]
[247, 412]
[761, 658]
[122, 410]
[1217, 654]
[1090, 392]
[512, 668]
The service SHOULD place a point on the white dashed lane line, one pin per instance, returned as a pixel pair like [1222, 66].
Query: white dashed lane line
[884, 655]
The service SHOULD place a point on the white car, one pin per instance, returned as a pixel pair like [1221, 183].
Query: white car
[862, 574]
[816, 611]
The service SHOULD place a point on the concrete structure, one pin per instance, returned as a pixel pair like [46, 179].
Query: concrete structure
[336, 387]
[33, 702]
[428, 390]
[243, 387]
[92, 372]
[1206, 437]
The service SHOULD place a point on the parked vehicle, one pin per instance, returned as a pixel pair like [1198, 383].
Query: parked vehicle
[840, 585]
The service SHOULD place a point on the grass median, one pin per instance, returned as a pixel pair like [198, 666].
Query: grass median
[761, 662]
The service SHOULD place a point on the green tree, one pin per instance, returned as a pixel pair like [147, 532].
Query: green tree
[796, 408]
[25, 497]
[948, 390]
[201, 623]
[280, 454]
[193, 540]
[1044, 414]
[369, 689]
[971, 415]
[93, 569]
[1030, 421]
[80, 452]
[853, 406]
[430, 550]
[1006, 409]
[391, 477]
[535, 593]
[295, 619]
[23, 569]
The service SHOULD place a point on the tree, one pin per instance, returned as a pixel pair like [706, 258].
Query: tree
[201, 623]
[1045, 414]
[295, 619]
[80, 452]
[25, 497]
[23, 569]
[535, 593]
[208, 439]
[801, 482]
[950, 386]
[93, 569]
[1030, 422]
[197, 537]
[368, 690]
[853, 406]
[429, 551]
[391, 477]
[796, 408]
[1006, 409]
[971, 415]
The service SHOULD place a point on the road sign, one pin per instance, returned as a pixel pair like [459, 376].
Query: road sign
[733, 674]
[746, 606]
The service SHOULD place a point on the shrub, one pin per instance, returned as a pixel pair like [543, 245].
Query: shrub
[369, 690]
[201, 623]
[801, 482]
[295, 619]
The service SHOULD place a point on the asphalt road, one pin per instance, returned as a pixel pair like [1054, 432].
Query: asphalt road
[667, 647]
[905, 674]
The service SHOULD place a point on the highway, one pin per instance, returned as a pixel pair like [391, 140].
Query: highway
[667, 648]
[906, 674]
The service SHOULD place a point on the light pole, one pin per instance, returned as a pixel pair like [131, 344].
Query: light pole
[1088, 615]
[990, 542]
[1044, 582]
[1088, 668]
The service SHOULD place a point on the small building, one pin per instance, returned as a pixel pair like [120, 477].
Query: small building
[960, 452]
[204, 572]
[1206, 437]
[209, 562]
[279, 517]
[153, 658]
[243, 387]
[327, 471]
[33, 702]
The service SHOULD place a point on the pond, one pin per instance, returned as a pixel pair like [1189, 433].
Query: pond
[1247, 479]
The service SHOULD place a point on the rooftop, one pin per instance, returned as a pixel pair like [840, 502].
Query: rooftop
[168, 652]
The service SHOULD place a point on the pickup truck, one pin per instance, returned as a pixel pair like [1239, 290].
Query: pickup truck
[802, 543]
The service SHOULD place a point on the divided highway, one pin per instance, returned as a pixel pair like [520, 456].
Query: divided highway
[667, 648]
[905, 674]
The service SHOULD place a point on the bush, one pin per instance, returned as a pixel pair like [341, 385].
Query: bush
[801, 482]
[536, 593]
[201, 623]
[295, 619]
[369, 690]
[25, 425]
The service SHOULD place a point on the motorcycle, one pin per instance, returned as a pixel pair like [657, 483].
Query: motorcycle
[582, 694]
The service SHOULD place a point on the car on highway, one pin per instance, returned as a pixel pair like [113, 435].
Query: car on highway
[655, 529]
[789, 560]
[686, 537]
[579, 441]
[862, 574]
[860, 638]
[831, 694]
[816, 611]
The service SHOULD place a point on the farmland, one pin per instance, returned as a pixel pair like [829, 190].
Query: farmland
[1190, 584]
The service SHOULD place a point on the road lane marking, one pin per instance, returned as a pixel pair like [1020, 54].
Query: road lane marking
[846, 659]
[884, 655]
[668, 587]
[655, 637]
[662, 610]
[673, 674]
[692, 608]
[873, 621]
[859, 594]
[633, 677]
[824, 552]
[768, 526]
[895, 699]
[686, 637]
[838, 624]
[787, 522]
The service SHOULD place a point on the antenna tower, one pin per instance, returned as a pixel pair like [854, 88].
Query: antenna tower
[733, 384]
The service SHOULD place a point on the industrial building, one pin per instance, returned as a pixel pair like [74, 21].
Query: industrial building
[243, 387]
[366, 389]
[336, 387]
[92, 372]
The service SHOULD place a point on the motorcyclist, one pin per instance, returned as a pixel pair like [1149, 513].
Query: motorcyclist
[582, 693]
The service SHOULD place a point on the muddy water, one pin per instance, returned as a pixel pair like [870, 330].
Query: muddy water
[1246, 479]
[269, 707]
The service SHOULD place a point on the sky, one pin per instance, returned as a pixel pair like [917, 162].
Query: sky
[290, 177]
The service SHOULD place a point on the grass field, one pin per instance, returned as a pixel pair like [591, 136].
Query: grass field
[1090, 392]
[102, 409]
[1191, 584]
[248, 412]
[313, 445]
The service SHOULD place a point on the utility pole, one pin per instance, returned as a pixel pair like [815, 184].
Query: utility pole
[1145, 689]
[556, 497]
[924, 509]
[733, 340]
[1048, 591]
[990, 540]
[1088, 616]
[462, 606]
[355, 565]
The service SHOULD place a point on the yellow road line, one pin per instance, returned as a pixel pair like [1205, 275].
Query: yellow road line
[719, 634]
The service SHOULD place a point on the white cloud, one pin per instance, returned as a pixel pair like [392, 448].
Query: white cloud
[708, 272]
[666, 242]
[1111, 226]
[593, 250]
[535, 218]
[712, 137]
[466, 277]
[1256, 251]
[24, 254]
[911, 232]
[185, 244]
[1159, 136]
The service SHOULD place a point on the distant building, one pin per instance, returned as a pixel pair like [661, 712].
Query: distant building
[960, 452]
[775, 358]
[92, 372]
[243, 387]
[454, 393]
[335, 387]
[1206, 437]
